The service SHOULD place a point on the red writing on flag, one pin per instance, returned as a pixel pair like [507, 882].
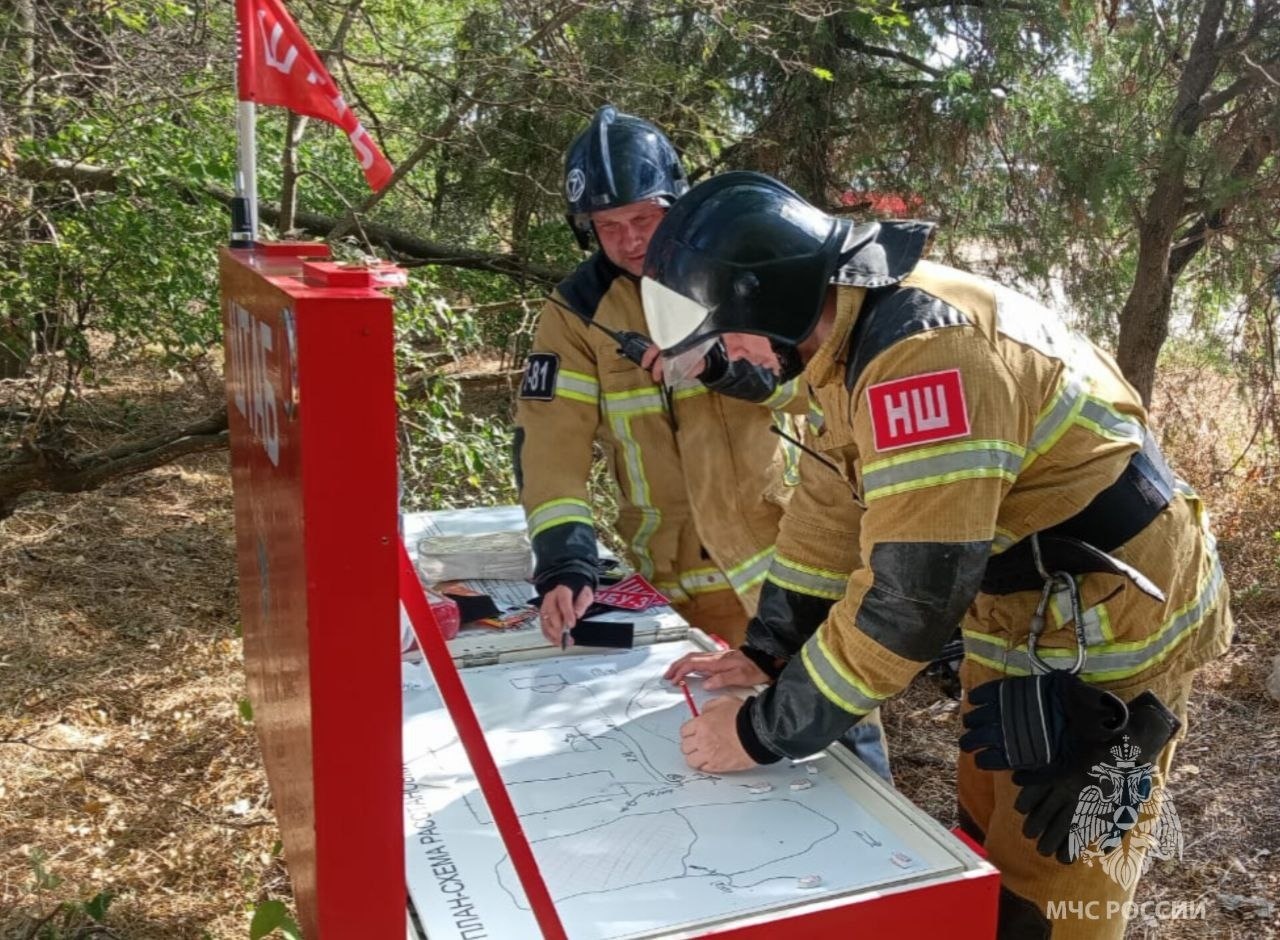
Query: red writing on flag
[278, 66]
[918, 409]
[634, 593]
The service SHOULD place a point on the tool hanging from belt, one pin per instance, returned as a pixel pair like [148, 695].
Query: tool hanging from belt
[1052, 558]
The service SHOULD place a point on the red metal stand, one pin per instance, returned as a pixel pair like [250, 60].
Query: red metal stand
[311, 399]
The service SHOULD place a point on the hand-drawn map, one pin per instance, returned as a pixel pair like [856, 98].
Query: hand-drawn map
[630, 840]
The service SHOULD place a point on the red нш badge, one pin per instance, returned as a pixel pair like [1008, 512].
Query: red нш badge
[918, 409]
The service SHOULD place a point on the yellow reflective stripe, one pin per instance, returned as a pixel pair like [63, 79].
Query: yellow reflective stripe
[946, 463]
[1055, 419]
[783, 395]
[690, 392]
[577, 386]
[558, 512]
[1003, 541]
[834, 680]
[630, 406]
[1108, 661]
[1095, 621]
[1105, 421]
[671, 591]
[650, 516]
[805, 579]
[704, 580]
[748, 574]
[815, 416]
[790, 452]
[649, 392]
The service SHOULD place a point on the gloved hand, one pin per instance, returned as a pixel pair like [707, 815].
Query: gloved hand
[1032, 722]
[737, 378]
[1106, 801]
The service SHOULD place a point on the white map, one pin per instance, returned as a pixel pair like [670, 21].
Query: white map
[630, 840]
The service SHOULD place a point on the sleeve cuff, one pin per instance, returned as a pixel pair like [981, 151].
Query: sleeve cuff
[575, 581]
[769, 664]
[748, 738]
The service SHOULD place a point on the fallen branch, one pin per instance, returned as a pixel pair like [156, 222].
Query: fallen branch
[43, 467]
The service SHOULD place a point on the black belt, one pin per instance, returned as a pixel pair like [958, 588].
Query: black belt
[1079, 545]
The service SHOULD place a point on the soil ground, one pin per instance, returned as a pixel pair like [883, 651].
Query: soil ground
[127, 763]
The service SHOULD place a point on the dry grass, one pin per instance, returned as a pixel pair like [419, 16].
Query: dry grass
[124, 760]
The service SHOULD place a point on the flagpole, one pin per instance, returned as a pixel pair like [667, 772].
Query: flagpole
[244, 208]
[247, 172]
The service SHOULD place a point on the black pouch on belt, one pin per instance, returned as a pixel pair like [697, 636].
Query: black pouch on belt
[1080, 545]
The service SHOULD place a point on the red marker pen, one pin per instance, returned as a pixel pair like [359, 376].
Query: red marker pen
[684, 687]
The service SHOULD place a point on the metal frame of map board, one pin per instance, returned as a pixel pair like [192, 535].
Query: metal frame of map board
[963, 883]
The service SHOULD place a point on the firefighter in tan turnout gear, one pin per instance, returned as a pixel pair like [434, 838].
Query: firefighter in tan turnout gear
[701, 475]
[996, 472]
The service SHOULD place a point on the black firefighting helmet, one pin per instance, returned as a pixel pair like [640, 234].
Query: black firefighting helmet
[617, 160]
[742, 253]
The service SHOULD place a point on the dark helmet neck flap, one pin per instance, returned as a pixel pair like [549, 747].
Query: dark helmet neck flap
[617, 160]
[740, 252]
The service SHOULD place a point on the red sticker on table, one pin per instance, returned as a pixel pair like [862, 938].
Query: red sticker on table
[918, 409]
[635, 593]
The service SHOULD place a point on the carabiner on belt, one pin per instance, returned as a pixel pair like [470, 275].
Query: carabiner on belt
[1054, 580]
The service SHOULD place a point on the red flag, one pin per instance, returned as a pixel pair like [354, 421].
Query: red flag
[278, 66]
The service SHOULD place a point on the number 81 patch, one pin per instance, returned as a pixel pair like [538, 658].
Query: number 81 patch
[539, 381]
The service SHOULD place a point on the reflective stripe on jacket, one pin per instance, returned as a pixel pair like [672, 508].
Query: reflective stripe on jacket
[701, 476]
[967, 417]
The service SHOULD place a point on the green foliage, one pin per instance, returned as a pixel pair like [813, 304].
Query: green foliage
[65, 920]
[448, 456]
[1030, 134]
[270, 917]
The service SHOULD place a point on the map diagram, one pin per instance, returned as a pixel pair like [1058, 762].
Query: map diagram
[629, 839]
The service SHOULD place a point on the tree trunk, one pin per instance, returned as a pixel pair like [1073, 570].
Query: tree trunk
[1144, 321]
[15, 325]
[289, 171]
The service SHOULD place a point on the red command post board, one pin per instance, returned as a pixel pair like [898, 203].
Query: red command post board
[311, 400]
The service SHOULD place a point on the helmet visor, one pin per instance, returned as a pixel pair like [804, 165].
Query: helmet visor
[672, 317]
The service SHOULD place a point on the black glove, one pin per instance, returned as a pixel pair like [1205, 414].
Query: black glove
[575, 581]
[1070, 809]
[1033, 722]
[737, 378]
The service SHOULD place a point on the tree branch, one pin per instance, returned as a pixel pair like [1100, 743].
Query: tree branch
[446, 127]
[411, 249]
[846, 40]
[47, 468]
[84, 175]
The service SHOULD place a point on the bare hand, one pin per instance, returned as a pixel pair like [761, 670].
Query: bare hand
[710, 741]
[652, 360]
[725, 670]
[560, 611]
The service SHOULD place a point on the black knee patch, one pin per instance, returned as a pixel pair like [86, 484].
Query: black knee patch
[969, 827]
[1020, 919]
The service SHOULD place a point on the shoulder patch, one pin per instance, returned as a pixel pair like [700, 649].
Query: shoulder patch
[889, 315]
[539, 383]
[918, 409]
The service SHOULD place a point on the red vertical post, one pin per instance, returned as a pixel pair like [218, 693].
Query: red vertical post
[311, 400]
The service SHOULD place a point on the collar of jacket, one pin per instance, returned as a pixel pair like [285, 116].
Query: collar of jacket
[876, 254]
[828, 362]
